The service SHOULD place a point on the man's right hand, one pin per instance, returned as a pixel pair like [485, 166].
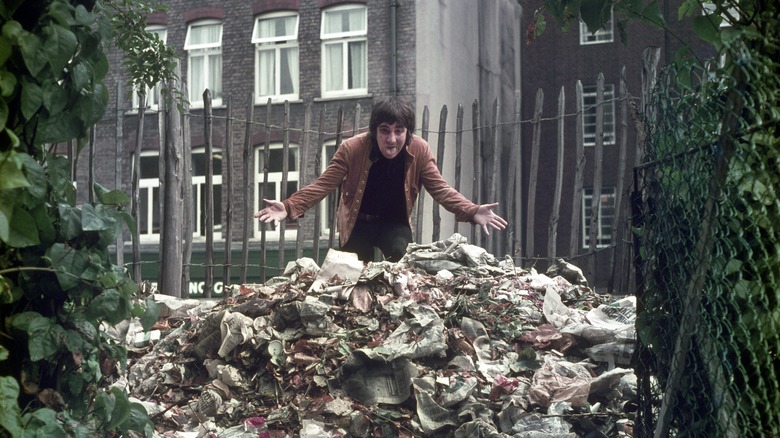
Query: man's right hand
[274, 211]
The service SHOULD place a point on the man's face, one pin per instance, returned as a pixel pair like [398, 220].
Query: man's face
[391, 139]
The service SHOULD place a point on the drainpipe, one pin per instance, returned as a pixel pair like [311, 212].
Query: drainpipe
[393, 49]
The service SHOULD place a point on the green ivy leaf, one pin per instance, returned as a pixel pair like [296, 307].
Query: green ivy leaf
[5, 49]
[70, 221]
[11, 170]
[23, 232]
[59, 46]
[595, 13]
[9, 407]
[104, 405]
[74, 342]
[707, 27]
[59, 178]
[43, 221]
[36, 176]
[44, 423]
[9, 138]
[32, 98]
[150, 314]
[129, 221]
[45, 338]
[91, 107]
[101, 66]
[69, 263]
[63, 12]
[107, 304]
[7, 79]
[4, 113]
[32, 53]
[138, 420]
[92, 220]
[121, 411]
[55, 98]
[60, 127]
[83, 16]
[110, 197]
[7, 200]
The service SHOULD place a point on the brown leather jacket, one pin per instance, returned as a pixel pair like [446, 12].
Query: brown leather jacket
[349, 168]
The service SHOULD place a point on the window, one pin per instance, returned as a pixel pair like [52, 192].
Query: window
[199, 191]
[605, 35]
[204, 50]
[149, 197]
[589, 115]
[344, 51]
[276, 56]
[605, 220]
[152, 94]
[149, 194]
[275, 172]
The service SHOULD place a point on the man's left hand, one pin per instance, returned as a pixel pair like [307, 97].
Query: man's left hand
[486, 217]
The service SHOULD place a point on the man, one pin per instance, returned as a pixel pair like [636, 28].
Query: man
[381, 173]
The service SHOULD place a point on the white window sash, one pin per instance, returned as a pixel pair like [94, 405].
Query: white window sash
[589, 115]
[265, 26]
[275, 179]
[606, 217]
[204, 35]
[333, 24]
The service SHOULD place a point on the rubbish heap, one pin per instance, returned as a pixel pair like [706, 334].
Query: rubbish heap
[448, 342]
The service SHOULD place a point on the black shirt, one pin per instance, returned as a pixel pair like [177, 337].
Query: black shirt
[384, 194]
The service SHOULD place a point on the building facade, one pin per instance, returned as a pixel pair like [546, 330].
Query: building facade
[290, 55]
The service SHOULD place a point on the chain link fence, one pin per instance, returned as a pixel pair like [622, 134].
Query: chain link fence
[706, 221]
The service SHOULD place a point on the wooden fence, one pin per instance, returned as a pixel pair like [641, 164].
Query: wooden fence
[519, 191]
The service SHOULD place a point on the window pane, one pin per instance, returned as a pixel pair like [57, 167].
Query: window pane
[266, 68]
[150, 167]
[357, 64]
[215, 76]
[197, 78]
[199, 162]
[606, 216]
[205, 34]
[276, 156]
[288, 70]
[589, 114]
[333, 67]
[155, 206]
[345, 20]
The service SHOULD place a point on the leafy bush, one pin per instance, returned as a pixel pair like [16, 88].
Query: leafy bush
[57, 282]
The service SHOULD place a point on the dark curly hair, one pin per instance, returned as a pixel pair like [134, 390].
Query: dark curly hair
[392, 110]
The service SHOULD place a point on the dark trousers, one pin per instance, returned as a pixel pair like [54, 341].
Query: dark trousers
[390, 237]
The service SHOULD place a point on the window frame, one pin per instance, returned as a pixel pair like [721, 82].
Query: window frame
[148, 210]
[589, 112]
[198, 181]
[277, 44]
[208, 51]
[603, 240]
[602, 36]
[272, 232]
[344, 38]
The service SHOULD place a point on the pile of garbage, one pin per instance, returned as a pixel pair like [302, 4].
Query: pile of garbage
[448, 342]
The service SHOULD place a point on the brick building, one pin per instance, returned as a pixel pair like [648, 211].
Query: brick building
[554, 63]
[323, 54]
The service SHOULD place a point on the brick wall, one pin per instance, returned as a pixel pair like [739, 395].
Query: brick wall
[238, 83]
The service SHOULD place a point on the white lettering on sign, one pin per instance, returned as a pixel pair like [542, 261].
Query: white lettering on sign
[195, 288]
